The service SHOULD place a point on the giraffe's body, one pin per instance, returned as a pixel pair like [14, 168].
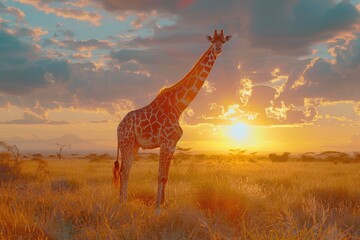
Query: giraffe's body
[156, 125]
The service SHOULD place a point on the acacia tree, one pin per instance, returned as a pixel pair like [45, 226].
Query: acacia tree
[237, 152]
[61, 148]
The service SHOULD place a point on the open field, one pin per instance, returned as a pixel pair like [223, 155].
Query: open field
[207, 198]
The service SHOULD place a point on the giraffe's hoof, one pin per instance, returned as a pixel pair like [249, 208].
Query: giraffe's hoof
[157, 211]
[122, 201]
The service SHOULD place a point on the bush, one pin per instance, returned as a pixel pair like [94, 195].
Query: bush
[279, 158]
[65, 185]
[42, 171]
[334, 156]
[308, 157]
[10, 162]
[357, 157]
[93, 157]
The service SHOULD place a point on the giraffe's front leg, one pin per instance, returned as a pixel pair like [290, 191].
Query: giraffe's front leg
[126, 162]
[166, 153]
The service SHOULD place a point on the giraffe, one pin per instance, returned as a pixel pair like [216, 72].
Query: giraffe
[157, 124]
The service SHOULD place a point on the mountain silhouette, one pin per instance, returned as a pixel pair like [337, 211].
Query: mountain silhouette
[33, 143]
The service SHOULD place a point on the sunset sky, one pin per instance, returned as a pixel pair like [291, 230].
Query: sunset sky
[289, 79]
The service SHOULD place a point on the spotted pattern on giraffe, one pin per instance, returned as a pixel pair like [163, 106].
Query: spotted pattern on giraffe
[157, 124]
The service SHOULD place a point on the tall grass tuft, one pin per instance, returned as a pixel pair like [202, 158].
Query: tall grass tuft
[335, 196]
[10, 162]
[221, 200]
[62, 185]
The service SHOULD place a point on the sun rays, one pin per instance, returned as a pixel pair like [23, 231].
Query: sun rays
[238, 131]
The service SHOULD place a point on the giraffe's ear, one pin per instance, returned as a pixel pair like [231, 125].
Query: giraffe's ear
[209, 38]
[227, 38]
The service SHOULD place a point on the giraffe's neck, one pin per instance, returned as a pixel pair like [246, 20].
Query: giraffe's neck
[177, 98]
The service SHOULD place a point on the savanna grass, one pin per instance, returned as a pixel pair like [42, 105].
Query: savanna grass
[205, 199]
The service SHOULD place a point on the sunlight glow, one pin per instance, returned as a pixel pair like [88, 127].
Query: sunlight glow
[238, 131]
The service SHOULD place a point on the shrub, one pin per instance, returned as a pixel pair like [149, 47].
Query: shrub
[37, 155]
[334, 156]
[357, 157]
[10, 162]
[42, 171]
[237, 153]
[65, 185]
[93, 157]
[154, 157]
[177, 159]
[279, 158]
[308, 157]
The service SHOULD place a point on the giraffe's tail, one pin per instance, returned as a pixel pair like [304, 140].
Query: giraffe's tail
[116, 170]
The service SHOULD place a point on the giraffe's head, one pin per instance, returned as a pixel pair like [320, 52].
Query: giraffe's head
[218, 41]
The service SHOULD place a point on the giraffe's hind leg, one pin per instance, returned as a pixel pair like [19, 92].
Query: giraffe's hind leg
[127, 157]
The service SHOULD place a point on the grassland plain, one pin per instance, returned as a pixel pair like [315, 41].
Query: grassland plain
[207, 198]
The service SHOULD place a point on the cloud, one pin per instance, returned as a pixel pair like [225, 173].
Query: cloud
[146, 56]
[209, 87]
[145, 19]
[161, 38]
[65, 12]
[357, 108]
[12, 47]
[17, 13]
[245, 90]
[261, 98]
[163, 65]
[100, 121]
[30, 118]
[292, 27]
[65, 33]
[317, 80]
[131, 66]
[35, 32]
[80, 45]
[107, 86]
[22, 70]
[3, 23]
[163, 42]
[348, 57]
[111, 5]
[327, 80]
[79, 55]
[38, 84]
[39, 74]
[287, 27]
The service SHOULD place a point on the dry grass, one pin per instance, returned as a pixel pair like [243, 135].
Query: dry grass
[206, 199]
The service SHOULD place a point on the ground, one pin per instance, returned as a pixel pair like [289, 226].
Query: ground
[208, 197]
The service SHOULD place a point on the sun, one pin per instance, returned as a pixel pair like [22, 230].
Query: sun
[238, 131]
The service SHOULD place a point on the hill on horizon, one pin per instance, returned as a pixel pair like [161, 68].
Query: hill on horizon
[35, 143]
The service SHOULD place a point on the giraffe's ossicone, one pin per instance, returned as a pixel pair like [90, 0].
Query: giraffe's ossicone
[157, 124]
